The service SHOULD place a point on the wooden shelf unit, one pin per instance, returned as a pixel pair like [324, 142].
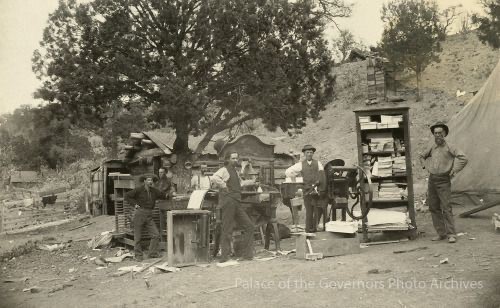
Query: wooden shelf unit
[365, 152]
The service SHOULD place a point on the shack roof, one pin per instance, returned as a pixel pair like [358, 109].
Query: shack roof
[165, 141]
[24, 177]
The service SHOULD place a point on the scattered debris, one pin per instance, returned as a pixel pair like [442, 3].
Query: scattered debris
[385, 242]
[436, 255]
[462, 233]
[119, 258]
[227, 263]
[472, 238]
[148, 284]
[50, 279]
[496, 221]
[33, 290]
[72, 270]
[164, 268]
[121, 252]
[53, 247]
[100, 261]
[410, 250]
[421, 259]
[102, 240]
[60, 287]
[148, 266]
[461, 93]
[265, 259]
[285, 252]
[444, 261]
[202, 265]
[377, 271]
[133, 268]
[180, 293]
[220, 289]
[85, 225]
[23, 279]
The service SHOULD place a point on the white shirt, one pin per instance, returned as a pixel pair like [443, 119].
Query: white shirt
[220, 178]
[200, 181]
[296, 169]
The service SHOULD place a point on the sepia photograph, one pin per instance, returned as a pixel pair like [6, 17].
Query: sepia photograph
[244, 153]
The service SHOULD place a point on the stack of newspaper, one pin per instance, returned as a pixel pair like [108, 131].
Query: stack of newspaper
[399, 166]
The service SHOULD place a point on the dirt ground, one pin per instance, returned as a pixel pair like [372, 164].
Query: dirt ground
[377, 277]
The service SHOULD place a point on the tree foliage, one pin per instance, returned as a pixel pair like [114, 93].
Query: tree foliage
[344, 43]
[31, 137]
[489, 25]
[197, 66]
[412, 34]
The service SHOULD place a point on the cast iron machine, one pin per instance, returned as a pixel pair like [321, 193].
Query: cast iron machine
[348, 188]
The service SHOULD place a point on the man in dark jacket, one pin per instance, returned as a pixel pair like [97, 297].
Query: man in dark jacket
[314, 185]
[143, 199]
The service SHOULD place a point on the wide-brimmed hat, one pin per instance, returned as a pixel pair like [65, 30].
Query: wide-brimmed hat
[148, 175]
[308, 147]
[440, 124]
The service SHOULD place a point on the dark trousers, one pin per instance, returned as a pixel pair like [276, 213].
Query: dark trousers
[232, 213]
[144, 217]
[438, 199]
[312, 202]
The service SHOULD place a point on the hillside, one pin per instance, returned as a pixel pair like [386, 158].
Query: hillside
[465, 65]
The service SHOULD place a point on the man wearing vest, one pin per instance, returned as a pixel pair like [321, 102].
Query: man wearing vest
[229, 183]
[314, 184]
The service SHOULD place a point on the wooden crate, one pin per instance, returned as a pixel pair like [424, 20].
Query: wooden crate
[188, 237]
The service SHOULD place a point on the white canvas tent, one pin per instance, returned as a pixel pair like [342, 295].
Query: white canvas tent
[476, 130]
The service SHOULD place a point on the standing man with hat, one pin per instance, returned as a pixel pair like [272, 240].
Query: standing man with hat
[443, 161]
[143, 198]
[230, 183]
[314, 184]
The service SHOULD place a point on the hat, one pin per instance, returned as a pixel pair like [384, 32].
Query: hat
[143, 177]
[440, 124]
[308, 147]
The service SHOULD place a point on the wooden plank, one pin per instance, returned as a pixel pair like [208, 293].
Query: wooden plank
[480, 208]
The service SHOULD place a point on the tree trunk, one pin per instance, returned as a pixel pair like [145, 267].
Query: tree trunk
[418, 84]
[181, 145]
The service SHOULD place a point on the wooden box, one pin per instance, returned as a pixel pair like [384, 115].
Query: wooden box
[124, 183]
[328, 243]
[188, 237]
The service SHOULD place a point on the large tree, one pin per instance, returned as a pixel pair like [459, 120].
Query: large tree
[488, 29]
[197, 66]
[412, 34]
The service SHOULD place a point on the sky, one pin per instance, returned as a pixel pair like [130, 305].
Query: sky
[22, 23]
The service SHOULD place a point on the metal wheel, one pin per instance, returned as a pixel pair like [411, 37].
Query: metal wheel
[358, 193]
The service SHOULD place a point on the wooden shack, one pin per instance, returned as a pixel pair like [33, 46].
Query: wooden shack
[102, 186]
[23, 179]
[148, 151]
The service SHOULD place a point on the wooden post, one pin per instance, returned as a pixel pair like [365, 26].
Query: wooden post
[2, 222]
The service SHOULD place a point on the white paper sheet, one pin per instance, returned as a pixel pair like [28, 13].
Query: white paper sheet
[196, 199]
